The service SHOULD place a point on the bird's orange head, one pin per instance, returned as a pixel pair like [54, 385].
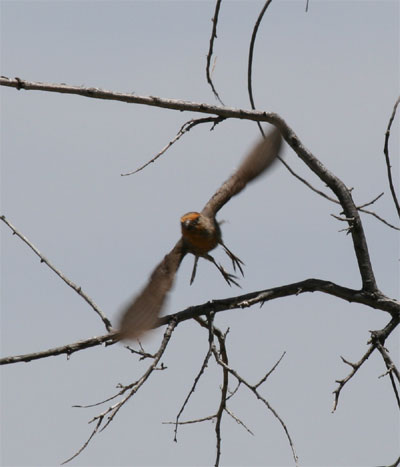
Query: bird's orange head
[190, 220]
[201, 233]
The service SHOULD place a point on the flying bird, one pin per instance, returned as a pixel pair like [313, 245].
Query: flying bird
[201, 233]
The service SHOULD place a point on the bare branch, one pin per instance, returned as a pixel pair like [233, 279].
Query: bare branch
[387, 159]
[132, 388]
[303, 180]
[362, 206]
[186, 127]
[141, 352]
[85, 444]
[379, 218]
[192, 389]
[391, 367]
[173, 104]
[344, 219]
[211, 47]
[377, 301]
[73, 286]
[388, 361]
[222, 352]
[396, 463]
[334, 200]
[253, 389]
[251, 53]
[377, 338]
[370, 202]
[264, 378]
[190, 422]
[68, 349]
[355, 367]
[237, 420]
[223, 355]
[347, 203]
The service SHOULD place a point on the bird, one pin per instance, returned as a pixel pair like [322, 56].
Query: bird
[201, 233]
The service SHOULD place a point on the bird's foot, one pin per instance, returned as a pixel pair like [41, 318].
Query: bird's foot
[236, 262]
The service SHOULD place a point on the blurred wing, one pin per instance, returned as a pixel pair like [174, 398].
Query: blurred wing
[259, 159]
[142, 314]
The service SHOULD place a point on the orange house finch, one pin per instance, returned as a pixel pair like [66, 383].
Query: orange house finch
[200, 234]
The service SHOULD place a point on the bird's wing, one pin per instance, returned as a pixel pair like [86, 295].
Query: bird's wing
[258, 160]
[142, 313]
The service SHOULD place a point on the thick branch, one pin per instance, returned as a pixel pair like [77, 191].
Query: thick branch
[154, 101]
[373, 300]
[377, 300]
[346, 201]
[65, 349]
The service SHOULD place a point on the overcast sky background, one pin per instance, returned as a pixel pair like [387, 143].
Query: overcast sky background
[333, 75]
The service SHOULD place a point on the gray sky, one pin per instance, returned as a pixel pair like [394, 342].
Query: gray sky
[333, 75]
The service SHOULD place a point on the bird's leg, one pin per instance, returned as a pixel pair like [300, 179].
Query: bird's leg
[230, 278]
[236, 262]
[196, 259]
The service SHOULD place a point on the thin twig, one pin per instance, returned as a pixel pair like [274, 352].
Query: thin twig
[377, 338]
[73, 286]
[211, 47]
[355, 367]
[141, 352]
[391, 368]
[333, 200]
[132, 388]
[186, 127]
[264, 378]
[221, 358]
[192, 389]
[86, 443]
[224, 390]
[253, 388]
[251, 53]
[370, 202]
[303, 180]
[344, 219]
[237, 420]
[387, 159]
[214, 331]
[396, 463]
[379, 218]
[388, 361]
[190, 422]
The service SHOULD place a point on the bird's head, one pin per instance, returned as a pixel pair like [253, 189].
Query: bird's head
[190, 221]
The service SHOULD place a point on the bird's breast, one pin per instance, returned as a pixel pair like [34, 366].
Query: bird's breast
[201, 235]
[200, 242]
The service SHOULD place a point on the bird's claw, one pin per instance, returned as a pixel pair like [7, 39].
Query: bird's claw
[236, 262]
[230, 278]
